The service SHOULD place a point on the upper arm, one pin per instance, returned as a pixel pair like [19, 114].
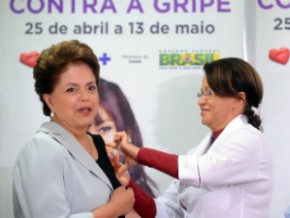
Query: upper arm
[38, 180]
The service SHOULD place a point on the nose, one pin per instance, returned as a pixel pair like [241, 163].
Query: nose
[84, 95]
[201, 100]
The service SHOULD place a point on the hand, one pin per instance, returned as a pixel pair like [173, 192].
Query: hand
[123, 199]
[113, 153]
[130, 150]
[120, 168]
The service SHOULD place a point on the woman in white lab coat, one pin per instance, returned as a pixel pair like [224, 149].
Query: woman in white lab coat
[229, 174]
[63, 171]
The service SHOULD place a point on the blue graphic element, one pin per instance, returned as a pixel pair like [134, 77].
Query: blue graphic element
[104, 58]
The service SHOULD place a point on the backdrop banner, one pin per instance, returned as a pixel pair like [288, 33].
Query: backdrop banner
[268, 34]
[154, 51]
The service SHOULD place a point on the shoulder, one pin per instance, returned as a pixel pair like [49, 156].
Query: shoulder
[41, 159]
[42, 149]
[247, 133]
[239, 129]
[46, 142]
[245, 140]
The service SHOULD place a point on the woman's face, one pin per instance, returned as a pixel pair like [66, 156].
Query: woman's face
[216, 111]
[74, 100]
[107, 128]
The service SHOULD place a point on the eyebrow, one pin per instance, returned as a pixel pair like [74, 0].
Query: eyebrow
[76, 84]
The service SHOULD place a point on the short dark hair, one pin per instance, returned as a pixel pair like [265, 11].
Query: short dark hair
[54, 60]
[229, 76]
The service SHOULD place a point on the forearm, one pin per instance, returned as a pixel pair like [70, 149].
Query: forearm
[162, 161]
[108, 210]
[144, 204]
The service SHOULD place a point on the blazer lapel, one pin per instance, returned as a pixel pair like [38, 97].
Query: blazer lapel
[73, 146]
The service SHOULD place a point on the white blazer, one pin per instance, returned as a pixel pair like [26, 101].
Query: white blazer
[55, 177]
[232, 180]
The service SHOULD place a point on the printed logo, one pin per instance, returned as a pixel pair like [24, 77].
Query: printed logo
[135, 59]
[185, 59]
[29, 59]
[280, 55]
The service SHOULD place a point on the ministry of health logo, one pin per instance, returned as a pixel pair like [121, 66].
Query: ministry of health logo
[172, 59]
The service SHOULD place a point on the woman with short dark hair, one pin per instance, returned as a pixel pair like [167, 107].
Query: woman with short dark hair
[229, 174]
[64, 171]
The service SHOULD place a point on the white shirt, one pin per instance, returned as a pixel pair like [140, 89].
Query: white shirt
[232, 180]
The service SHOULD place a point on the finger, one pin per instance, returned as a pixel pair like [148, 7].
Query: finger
[111, 145]
[119, 136]
[130, 190]
[113, 153]
[109, 149]
[114, 146]
[123, 168]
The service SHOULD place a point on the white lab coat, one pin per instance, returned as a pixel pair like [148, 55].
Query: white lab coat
[55, 177]
[232, 180]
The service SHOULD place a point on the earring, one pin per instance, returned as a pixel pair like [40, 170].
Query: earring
[51, 114]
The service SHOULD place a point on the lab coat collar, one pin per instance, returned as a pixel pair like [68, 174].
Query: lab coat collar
[236, 123]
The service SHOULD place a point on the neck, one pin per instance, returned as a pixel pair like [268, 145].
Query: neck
[78, 133]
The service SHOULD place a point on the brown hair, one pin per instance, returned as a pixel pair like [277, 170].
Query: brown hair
[229, 76]
[54, 60]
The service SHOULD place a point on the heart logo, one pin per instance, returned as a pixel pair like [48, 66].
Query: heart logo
[280, 55]
[29, 59]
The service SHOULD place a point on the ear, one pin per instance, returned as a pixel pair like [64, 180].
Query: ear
[241, 97]
[47, 99]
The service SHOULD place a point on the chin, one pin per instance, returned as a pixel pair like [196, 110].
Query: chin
[203, 121]
[87, 123]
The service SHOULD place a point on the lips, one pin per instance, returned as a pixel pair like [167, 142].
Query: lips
[204, 110]
[85, 110]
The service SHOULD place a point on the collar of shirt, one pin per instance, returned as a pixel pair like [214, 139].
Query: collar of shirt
[215, 135]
